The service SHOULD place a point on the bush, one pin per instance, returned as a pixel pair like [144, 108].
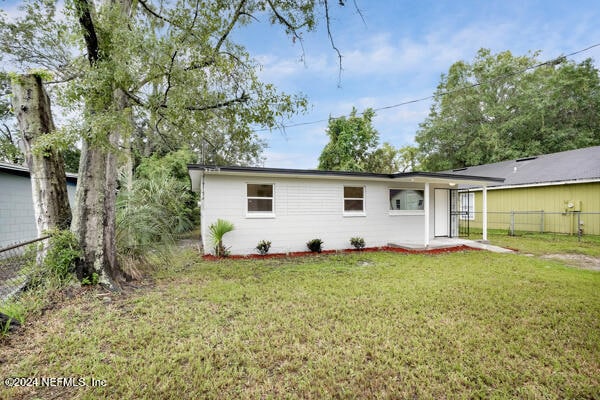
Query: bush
[315, 245]
[263, 247]
[217, 231]
[151, 214]
[358, 243]
[62, 256]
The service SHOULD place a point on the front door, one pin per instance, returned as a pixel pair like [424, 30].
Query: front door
[441, 221]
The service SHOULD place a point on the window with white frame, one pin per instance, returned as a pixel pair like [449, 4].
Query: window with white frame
[354, 199]
[260, 198]
[467, 206]
[407, 200]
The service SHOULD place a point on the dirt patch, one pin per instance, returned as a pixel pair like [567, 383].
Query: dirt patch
[577, 260]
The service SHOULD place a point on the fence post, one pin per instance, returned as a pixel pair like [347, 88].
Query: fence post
[542, 222]
[579, 227]
[512, 223]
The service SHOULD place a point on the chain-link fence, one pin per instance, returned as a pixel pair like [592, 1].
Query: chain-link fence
[16, 263]
[579, 224]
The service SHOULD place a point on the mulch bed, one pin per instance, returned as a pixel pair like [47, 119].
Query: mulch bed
[444, 250]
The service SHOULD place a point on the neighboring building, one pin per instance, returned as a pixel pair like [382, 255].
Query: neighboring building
[290, 207]
[17, 217]
[559, 184]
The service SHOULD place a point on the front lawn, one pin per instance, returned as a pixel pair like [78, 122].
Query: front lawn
[376, 325]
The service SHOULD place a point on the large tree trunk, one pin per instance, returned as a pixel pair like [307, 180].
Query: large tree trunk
[95, 214]
[94, 217]
[46, 166]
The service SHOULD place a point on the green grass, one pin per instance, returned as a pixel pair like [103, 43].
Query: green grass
[548, 243]
[376, 325]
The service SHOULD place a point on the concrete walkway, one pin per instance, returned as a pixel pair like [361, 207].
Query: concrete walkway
[442, 243]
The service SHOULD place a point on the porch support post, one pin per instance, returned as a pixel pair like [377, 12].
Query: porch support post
[426, 208]
[484, 216]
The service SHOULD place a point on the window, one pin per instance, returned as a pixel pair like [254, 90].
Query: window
[354, 199]
[467, 206]
[260, 198]
[407, 200]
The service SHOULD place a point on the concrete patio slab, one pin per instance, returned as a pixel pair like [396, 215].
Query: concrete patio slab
[443, 243]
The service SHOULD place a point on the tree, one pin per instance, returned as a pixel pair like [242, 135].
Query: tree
[353, 146]
[503, 106]
[9, 150]
[171, 66]
[46, 166]
[352, 139]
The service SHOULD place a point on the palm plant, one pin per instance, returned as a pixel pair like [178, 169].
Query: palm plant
[150, 216]
[217, 231]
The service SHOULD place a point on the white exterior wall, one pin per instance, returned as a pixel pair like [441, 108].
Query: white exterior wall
[308, 208]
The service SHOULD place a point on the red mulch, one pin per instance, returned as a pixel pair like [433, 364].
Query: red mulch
[365, 250]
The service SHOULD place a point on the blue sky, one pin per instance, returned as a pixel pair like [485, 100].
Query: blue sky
[398, 55]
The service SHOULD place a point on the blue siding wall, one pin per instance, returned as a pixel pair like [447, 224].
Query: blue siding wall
[17, 218]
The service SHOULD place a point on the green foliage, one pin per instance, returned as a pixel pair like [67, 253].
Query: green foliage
[358, 243]
[91, 280]
[511, 112]
[12, 313]
[353, 146]
[217, 231]
[263, 247]
[173, 165]
[9, 151]
[62, 256]
[315, 245]
[351, 141]
[151, 215]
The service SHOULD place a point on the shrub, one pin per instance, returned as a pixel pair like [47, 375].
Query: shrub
[63, 254]
[315, 245]
[217, 231]
[150, 215]
[358, 243]
[263, 247]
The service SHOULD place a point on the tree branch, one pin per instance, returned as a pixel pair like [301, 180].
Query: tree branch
[289, 26]
[339, 54]
[154, 13]
[236, 16]
[84, 14]
[240, 99]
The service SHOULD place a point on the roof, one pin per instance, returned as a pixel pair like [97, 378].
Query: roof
[567, 166]
[195, 170]
[24, 171]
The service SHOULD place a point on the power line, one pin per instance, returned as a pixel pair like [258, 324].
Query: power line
[554, 61]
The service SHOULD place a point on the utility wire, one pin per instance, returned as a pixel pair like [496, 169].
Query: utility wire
[554, 61]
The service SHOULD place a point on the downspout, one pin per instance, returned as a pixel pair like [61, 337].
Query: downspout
[201, 206]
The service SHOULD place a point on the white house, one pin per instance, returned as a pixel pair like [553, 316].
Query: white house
[290, 207]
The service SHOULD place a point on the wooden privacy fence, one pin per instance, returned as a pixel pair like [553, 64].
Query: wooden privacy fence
[540, 221]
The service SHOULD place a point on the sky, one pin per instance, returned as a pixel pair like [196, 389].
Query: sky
[394, 53]
[398, 54]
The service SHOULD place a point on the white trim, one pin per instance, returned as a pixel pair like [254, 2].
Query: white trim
[406, 212]
[394, 211]
[260, 214]
[484, 209]
[427, 212]
[363, 212]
